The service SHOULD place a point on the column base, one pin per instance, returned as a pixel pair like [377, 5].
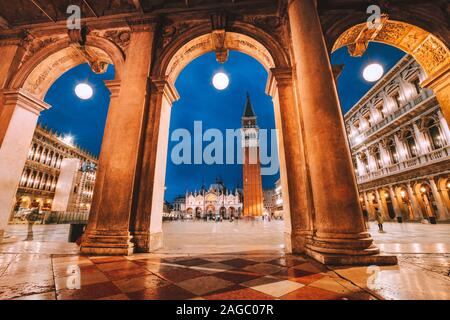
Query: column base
[296, 242]
[145, 241]
[107, 243]
[346, 249]
[156, 241]
[361, 260]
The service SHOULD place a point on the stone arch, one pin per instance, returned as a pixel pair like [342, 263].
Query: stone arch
[426, 48]
[41, 70]
[199, 40]
[169, 62]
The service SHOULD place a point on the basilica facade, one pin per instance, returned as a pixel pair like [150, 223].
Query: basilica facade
[400, 145]
[216, 200]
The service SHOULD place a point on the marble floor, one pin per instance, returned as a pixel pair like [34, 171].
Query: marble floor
[231, 261]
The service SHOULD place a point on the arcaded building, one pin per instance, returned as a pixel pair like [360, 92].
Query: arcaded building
[58, 176]
[400, 143]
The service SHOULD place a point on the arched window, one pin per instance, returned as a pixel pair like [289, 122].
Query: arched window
[433, 131]
[32, 151]
[380, 109]
[31, 179]
[37, 155]
[49, 158]
[411, 145]
[364, 162]
[24, 179]
[392, 150]
[397, 100]
[43, 156]
[375, 153]
[416, 83]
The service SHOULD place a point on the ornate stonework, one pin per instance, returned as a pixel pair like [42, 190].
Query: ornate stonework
[34, 45]
[121, 37]
[428, 50]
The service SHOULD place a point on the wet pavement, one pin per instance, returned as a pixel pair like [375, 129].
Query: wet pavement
[223, 261]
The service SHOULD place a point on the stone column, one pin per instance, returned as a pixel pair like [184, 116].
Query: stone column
[113, 112]
[380, 204]
[421, 143]
[398, 212]
[414, 204]
[18, 119]
[146, 221]
[443, 212]
[340, 233]
[401, 151]
[297, 200]
[444, 128]
[108, 232]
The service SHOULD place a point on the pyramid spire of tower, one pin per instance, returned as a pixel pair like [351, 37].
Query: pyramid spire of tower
[248, 110]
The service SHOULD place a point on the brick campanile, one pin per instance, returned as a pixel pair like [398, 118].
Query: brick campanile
[253, 194]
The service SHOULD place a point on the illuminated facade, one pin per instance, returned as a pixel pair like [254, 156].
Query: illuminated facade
[40, 179]
[400, 145]
[214, 201]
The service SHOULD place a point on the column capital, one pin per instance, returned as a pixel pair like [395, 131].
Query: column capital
[278, 77]
[113, 87]
[24, 99]
[165, 87]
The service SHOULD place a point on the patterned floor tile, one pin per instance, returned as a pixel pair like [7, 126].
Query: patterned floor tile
[100, 260]
[169, 292]
[260, 281]
[192, 262]
[278, 289]
[121, 296]
[176, 275]
[126, 273]
[204, 285]
[86, 278]
[237, 276]
[239, 262]
[213, 267]
[90, 292]
[120, 265]
[311, 293]
[239, 293]
[311, 267]
[297, 275]
[288, 261]
[263, 268]
[334, 285]
[140, 283]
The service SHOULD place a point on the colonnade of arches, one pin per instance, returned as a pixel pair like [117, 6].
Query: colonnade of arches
[418, 200]
[128, 196]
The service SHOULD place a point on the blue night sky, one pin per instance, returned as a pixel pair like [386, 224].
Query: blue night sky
[200, 101]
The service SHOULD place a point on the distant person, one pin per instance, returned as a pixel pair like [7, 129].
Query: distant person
[32, 217]
[379, 219]
[366, 217]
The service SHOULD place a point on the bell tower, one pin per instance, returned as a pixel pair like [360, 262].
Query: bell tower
[252, 182]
